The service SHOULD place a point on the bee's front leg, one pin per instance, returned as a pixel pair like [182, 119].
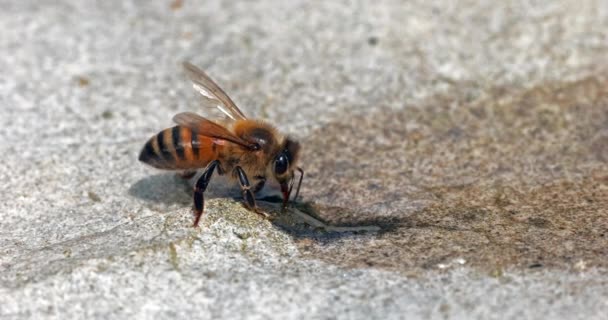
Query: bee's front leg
[247, 192]
[260, 184]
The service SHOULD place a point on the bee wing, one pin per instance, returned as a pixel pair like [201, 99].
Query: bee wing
[212, 94]
[205, 127]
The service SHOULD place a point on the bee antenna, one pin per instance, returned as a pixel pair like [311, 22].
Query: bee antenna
[299, 184]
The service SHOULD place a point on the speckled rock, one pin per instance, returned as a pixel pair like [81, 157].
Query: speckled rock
[455, 154]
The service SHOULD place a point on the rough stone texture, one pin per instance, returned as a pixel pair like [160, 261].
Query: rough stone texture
[473, 134]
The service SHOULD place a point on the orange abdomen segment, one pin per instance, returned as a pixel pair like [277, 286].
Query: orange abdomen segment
[179, 148]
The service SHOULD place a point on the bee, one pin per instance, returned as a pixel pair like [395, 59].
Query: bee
[244, 148]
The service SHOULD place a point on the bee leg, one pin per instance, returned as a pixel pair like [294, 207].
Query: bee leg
[246, 189]
[199, 189]
[260, 184]
[186, 175]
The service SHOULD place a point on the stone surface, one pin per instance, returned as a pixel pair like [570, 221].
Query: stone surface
[458, 152]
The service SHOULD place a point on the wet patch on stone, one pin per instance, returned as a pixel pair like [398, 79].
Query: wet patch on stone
[512, 178]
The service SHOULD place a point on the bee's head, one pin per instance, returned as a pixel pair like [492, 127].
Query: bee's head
[284, 165]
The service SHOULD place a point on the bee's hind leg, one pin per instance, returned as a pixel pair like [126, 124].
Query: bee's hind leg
[199, 189]
[248, 192]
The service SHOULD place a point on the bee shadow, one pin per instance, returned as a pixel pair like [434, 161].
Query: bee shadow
[304, 221]
[168, 188]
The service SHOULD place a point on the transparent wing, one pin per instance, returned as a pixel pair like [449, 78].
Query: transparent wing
[213, 95]
[208, 128]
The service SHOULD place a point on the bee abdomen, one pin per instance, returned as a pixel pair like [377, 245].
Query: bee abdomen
[177, 148]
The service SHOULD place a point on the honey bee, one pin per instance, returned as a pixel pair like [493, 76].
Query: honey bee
[236, 145]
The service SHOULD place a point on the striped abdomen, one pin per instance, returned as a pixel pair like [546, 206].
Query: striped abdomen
[179, 148]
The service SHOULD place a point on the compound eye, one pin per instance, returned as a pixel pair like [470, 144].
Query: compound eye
[280, 164]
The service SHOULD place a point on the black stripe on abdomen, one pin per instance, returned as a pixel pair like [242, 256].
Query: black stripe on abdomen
[147, 153]
[195, 145]
[163, 148]
[177, 144]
